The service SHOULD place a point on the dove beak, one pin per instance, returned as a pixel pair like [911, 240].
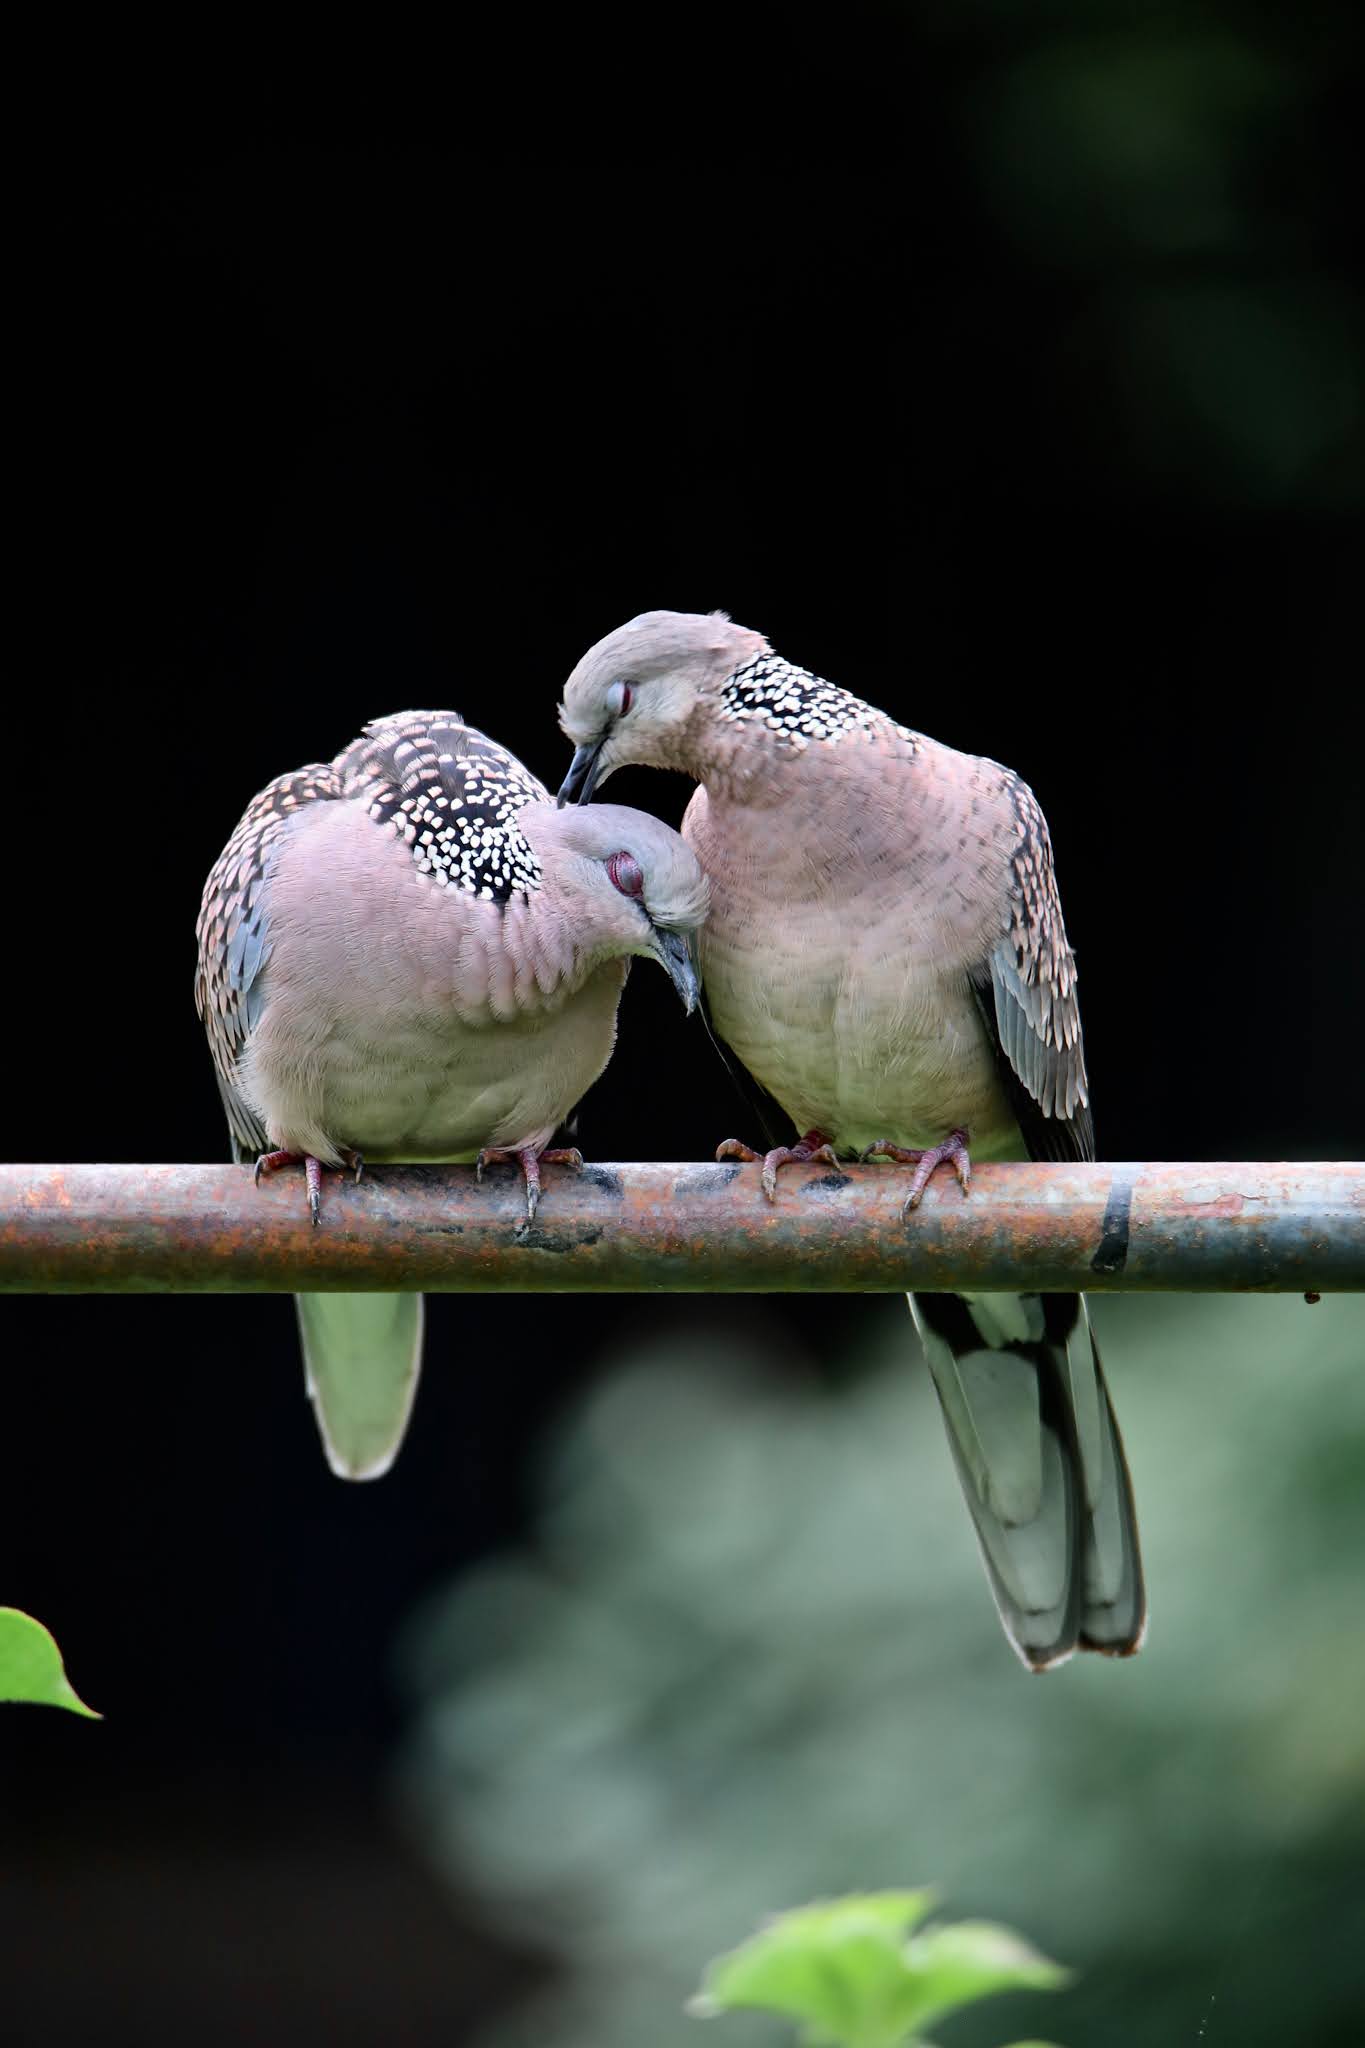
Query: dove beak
[673, 951]
[584, 771]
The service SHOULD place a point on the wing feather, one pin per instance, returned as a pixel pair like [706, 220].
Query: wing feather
[234, 935]
[1025, 992]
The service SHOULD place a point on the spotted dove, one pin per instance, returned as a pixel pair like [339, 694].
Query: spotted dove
[409, 953]
[886, 956]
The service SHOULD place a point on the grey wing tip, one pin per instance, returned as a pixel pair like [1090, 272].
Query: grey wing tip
[1036, 1661]
[1125, 1645]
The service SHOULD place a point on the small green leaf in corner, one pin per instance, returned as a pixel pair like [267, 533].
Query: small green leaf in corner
[834, 1969]
[31, 1666]
[969, 1959]
[864, 1972]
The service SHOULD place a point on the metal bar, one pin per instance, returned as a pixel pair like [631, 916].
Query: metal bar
[683, 1229]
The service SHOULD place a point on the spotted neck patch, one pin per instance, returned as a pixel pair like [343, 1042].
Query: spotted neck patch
[797, 706]
[453, 797]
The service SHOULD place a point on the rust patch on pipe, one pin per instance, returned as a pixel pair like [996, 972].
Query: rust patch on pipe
[1218, 1205]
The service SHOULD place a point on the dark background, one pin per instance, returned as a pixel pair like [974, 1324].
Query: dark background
[1006, 374]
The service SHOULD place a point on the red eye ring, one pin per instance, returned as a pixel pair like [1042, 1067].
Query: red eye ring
[625, 873]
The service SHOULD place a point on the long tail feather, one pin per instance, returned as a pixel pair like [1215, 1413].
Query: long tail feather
[1038, 1452]
[361, 1355]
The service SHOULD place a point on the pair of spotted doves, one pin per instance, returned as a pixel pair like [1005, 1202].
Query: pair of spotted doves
[885, 955]
[410, 953]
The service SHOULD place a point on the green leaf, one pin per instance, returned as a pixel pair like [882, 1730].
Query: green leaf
[31, 1665]
[836, 1968]
[971, 1959]
[845, 1972]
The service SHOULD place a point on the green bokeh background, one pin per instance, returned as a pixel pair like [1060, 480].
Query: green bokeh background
[749, 1658]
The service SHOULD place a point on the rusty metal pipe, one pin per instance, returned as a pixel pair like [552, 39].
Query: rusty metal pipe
[683, 1229]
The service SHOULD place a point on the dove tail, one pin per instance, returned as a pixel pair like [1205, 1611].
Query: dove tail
[1038, 1452]
[361, 1355]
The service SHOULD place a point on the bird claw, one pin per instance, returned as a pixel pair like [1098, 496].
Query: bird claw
[953, 1151]
[814, 1146]
[530, 1164]
[271, 1162]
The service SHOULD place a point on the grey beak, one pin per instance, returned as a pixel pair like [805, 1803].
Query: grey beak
[673, 951]
[581, 780]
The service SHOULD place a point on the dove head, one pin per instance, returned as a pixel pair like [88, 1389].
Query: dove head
[627, 883]
[643, 694]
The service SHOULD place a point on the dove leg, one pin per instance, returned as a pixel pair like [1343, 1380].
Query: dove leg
[271, 1162]
[529, 1162]
[952, 1152]
[815, 1145]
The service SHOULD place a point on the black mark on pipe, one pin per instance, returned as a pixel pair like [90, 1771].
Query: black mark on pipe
[1112, 1255]
[571, 1237]
[705, 1180]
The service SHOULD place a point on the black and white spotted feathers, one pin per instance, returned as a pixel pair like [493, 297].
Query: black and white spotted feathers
[797, 706]
[452, 795]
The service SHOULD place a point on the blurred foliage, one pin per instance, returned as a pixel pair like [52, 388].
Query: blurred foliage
[751, 1658]
[31, 1667]
[1175, 169]
[1136, 138]
[852, 1974]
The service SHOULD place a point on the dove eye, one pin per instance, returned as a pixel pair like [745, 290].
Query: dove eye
[624, 870]
[620, 697]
